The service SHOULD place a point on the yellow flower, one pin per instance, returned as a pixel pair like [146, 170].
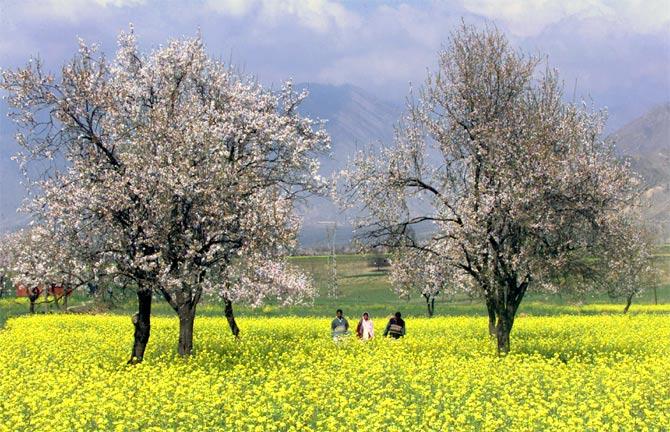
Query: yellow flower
[564, 373]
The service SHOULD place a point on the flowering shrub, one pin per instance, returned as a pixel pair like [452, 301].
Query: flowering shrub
[567, 373]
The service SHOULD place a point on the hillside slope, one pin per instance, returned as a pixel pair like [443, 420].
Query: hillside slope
[645, 141]
[354, 120]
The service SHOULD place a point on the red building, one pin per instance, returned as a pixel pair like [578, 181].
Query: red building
[54, 290]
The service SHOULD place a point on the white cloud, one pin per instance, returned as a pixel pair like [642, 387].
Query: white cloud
[381, 45]
[529, 18]
[422, 26]
[318, 15]
[119, 3]
[378, 68]
[235, 8]
[72, 10]
[648, 16]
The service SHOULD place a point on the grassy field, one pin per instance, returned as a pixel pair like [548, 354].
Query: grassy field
[363, 288]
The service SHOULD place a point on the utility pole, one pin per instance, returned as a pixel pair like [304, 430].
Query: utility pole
[333, 286]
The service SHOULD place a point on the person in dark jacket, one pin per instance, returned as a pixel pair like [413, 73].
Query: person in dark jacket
[395, 327]
[340, 326]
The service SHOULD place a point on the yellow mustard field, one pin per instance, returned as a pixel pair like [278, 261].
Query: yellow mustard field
[573, 373]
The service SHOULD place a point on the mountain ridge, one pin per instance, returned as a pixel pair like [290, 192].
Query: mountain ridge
[645, 143]
[356, 118]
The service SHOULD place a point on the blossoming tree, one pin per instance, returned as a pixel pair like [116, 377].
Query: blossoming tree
[411, 272]
[513, 181]
[4, 264]
[182, 173]
[627, 268]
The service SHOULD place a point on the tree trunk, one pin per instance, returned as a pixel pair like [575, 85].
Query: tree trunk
[33, 296]
[184, 302]
[186, 314]
[142, 323]
[503, 330]
[430, 303]
[231, 318]
[67, 291]
[655, 295]
[492, 317]
[629, 300]
[506, 305]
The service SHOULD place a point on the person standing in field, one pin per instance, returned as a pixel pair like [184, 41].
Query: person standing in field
[395, 327]
[339, 326]
[365, 329]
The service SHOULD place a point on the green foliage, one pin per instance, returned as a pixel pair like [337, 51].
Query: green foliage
[365, 290]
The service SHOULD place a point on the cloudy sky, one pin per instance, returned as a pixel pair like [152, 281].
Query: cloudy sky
[616, 52]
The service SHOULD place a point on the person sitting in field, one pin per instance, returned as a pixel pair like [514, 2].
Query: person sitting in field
[395, 327]
[339, 326]
[365, 329]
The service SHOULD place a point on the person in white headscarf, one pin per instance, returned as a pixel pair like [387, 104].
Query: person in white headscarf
[365, 329]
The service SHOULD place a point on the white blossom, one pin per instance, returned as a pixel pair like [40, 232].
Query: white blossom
[503, 181]
[176, 167]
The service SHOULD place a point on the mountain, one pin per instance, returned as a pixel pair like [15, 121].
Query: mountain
[11, 190]
[354, 119]
[645, 142]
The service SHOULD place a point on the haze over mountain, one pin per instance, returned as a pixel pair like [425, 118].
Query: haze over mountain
[356, 119]
[11, 190]
[646, 142]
